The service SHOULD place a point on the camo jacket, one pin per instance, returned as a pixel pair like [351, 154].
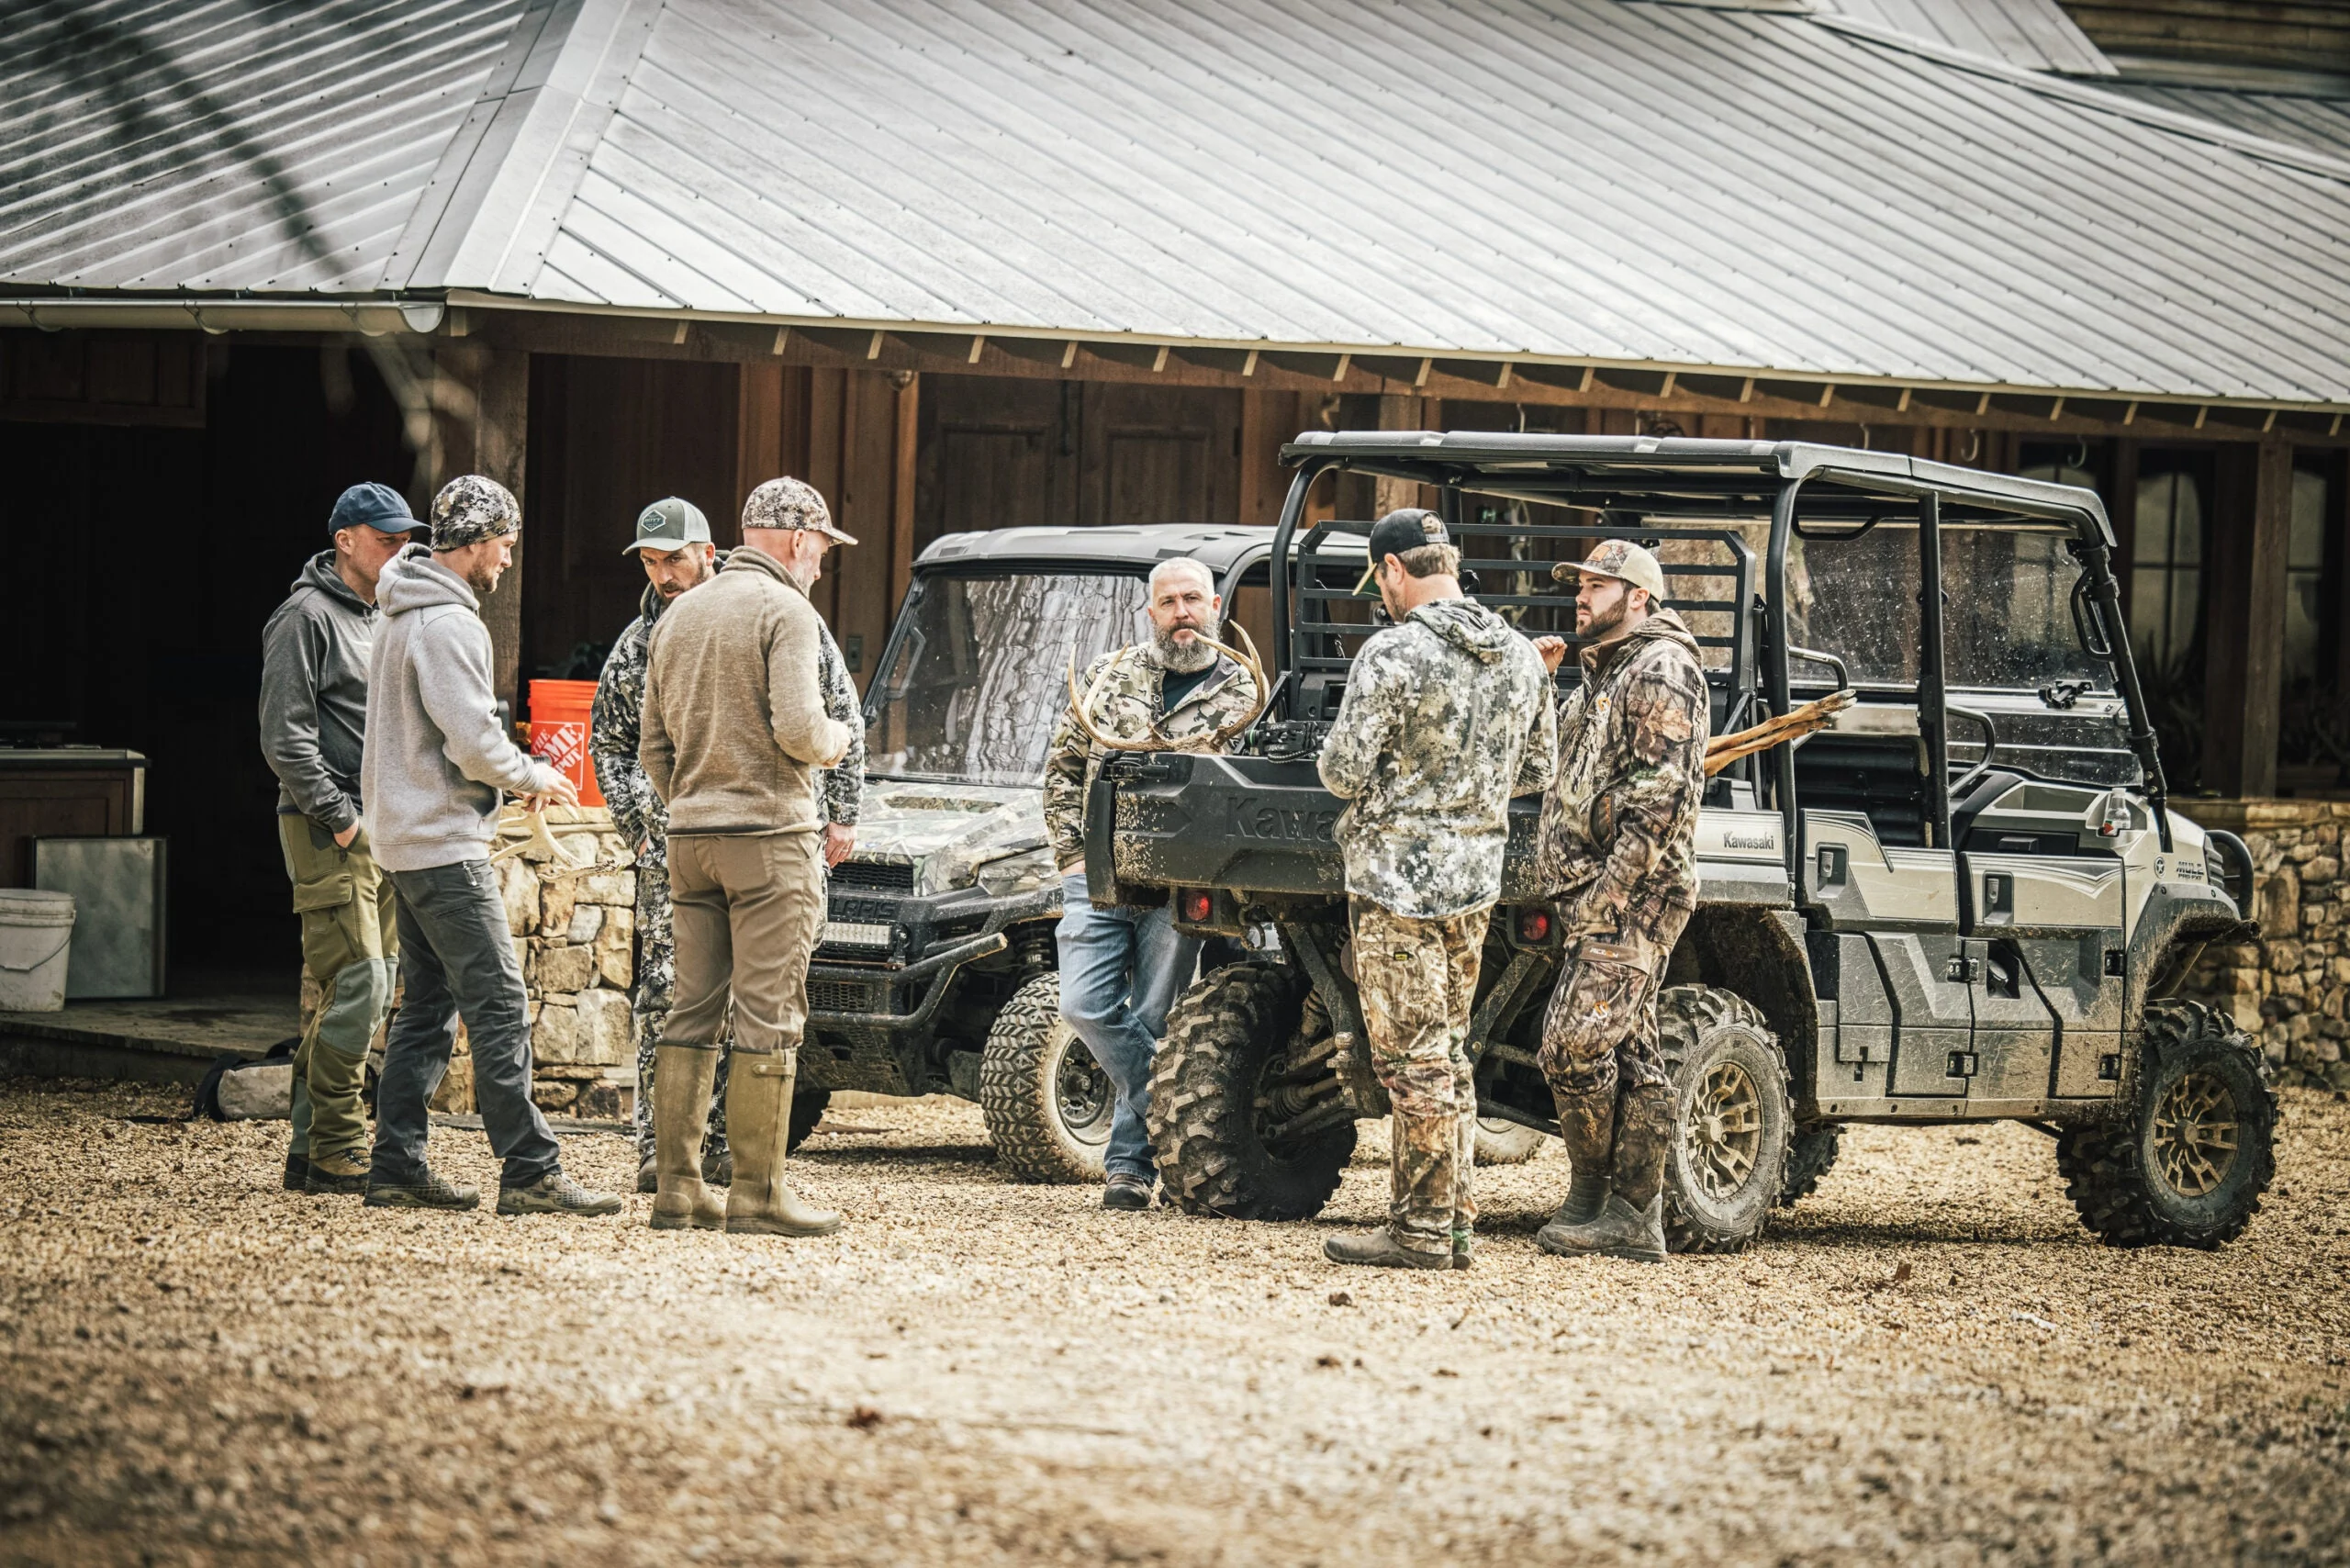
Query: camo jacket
[1123, 706]
[1617, 849]
[1446, 717]
[618, 717]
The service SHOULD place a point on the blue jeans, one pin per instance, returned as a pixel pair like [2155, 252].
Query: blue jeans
[1120, 971]
[457, 960]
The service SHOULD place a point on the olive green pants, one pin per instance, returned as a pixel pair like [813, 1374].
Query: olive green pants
[351, 949]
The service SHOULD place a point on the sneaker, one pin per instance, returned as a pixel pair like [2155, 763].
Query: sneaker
[1381, 1250]
[337, 1173]
[1127, 1193]
[556, 1193]
[431, 1193]
[298, 1172]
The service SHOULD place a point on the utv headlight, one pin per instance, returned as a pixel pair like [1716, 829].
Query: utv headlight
[1020, 873]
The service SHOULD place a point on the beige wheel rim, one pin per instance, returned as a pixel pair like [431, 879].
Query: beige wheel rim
[1723, 1137]
[2195, 1134]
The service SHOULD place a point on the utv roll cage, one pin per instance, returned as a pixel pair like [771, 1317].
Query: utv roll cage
[1664, 489]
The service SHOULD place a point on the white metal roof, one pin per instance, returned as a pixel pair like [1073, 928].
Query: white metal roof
[2036, 34]
[1571, 180]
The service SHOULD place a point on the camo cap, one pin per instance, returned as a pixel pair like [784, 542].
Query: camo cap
[791, 503]
[1620, 559]
[471, 508]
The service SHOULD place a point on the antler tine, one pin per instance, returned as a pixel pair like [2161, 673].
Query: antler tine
[1080, 706]
[1158, 740]
[1250, 661]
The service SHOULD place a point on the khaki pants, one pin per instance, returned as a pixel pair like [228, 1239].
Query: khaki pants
[745, 912]
[350, 946]
[1418, 983]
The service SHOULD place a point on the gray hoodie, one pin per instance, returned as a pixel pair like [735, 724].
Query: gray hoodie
[313, 654]
[1447, 715]
[436, 755]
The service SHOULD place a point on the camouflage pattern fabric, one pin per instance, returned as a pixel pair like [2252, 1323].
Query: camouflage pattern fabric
[791, 503]
[1616, 850]
[1600, 1030]
[656, 990]
[841, 791]
[1125, 704]
[471, 508]
[1446, 717]
[1418, 980]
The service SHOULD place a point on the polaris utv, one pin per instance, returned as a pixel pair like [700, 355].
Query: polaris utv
[1966, 900]
[936, 969]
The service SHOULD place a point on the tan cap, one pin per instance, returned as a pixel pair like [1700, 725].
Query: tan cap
[1620, 559]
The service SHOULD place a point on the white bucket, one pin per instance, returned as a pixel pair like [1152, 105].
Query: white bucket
[35, 927]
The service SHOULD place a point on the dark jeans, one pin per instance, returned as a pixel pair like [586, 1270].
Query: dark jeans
[457, 960]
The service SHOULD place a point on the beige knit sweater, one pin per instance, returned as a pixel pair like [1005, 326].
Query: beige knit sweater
[734, 720]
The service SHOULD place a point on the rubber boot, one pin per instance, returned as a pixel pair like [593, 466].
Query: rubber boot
[1587, 1126]
[1630, 1223]
[681, 1079]
[758, 1120]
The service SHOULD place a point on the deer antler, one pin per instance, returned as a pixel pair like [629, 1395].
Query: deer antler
[1082, 704]
[1723, 750]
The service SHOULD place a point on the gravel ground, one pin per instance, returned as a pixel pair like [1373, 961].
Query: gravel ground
[1927, 1360]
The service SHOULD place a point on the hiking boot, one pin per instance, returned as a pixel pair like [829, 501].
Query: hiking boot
[556, 1193]
[298, 1172]
[681, 1084]
[1621, 1231]
[1127, 1193]
[1381, 1250]
[429, 1191]
[648, 1176]
[718, 1166]
[758, 1118]
[336, 1173]
[1464, 1249]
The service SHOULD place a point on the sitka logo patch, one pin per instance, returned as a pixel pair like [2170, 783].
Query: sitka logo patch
[1250, 819]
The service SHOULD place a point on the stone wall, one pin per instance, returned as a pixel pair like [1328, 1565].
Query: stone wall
[2290, 988]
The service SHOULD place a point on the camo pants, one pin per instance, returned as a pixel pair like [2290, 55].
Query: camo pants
[656, 988]
[1603, 1058]
[1418, 981]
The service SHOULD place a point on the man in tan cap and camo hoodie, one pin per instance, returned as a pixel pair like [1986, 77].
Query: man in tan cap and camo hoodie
[734, 729]
[1616, 854]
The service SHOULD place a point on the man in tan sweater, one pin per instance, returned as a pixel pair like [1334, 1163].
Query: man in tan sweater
[735, 728]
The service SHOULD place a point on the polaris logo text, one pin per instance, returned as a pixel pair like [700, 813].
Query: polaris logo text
[1251, 820]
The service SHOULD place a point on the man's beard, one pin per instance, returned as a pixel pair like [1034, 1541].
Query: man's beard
[1602, 624]
[483, 579]
[1180, 657]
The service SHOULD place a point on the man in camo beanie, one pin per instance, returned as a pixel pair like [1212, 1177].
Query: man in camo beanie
[471, 508]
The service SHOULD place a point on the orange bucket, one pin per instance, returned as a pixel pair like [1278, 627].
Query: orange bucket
[561, 717]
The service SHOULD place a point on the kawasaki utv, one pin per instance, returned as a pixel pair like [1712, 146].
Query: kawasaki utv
[936, 970]
[1965, 899]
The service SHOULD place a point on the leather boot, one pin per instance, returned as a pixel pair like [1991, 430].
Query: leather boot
[1587, 1126]
[1381, 1250]
[759, 1119]
[681, 1080]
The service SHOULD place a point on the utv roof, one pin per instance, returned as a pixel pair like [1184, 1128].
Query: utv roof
[1215, 545]
[1590, 470]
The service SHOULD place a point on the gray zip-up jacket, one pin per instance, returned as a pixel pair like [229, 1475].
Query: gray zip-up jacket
[314, 656]
[437, 757]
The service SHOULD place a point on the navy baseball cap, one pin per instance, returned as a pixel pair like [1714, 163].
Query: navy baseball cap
[1404, 530]
[375, 505]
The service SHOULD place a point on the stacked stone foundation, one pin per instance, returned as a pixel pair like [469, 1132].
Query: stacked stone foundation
[2289, 988]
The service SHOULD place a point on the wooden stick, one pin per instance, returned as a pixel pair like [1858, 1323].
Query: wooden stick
[1723, 750]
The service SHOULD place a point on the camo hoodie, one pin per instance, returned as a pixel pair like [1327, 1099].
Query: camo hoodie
[1617, 847]
[1446, 717]
[1127, 685]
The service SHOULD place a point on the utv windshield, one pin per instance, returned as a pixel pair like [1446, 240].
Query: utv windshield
[980, 672]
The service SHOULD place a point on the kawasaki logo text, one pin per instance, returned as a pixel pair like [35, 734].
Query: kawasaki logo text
[1248, 819]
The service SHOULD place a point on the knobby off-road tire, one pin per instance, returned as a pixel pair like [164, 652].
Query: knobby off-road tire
[807, 1110]
[1047, 1100]
[1506, 1143]
[1205, 1123]
[1727, 1165]
[1811, 1154]
[2186, 1162]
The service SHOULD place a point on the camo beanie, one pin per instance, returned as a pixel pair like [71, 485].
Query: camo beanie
[471, 508]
